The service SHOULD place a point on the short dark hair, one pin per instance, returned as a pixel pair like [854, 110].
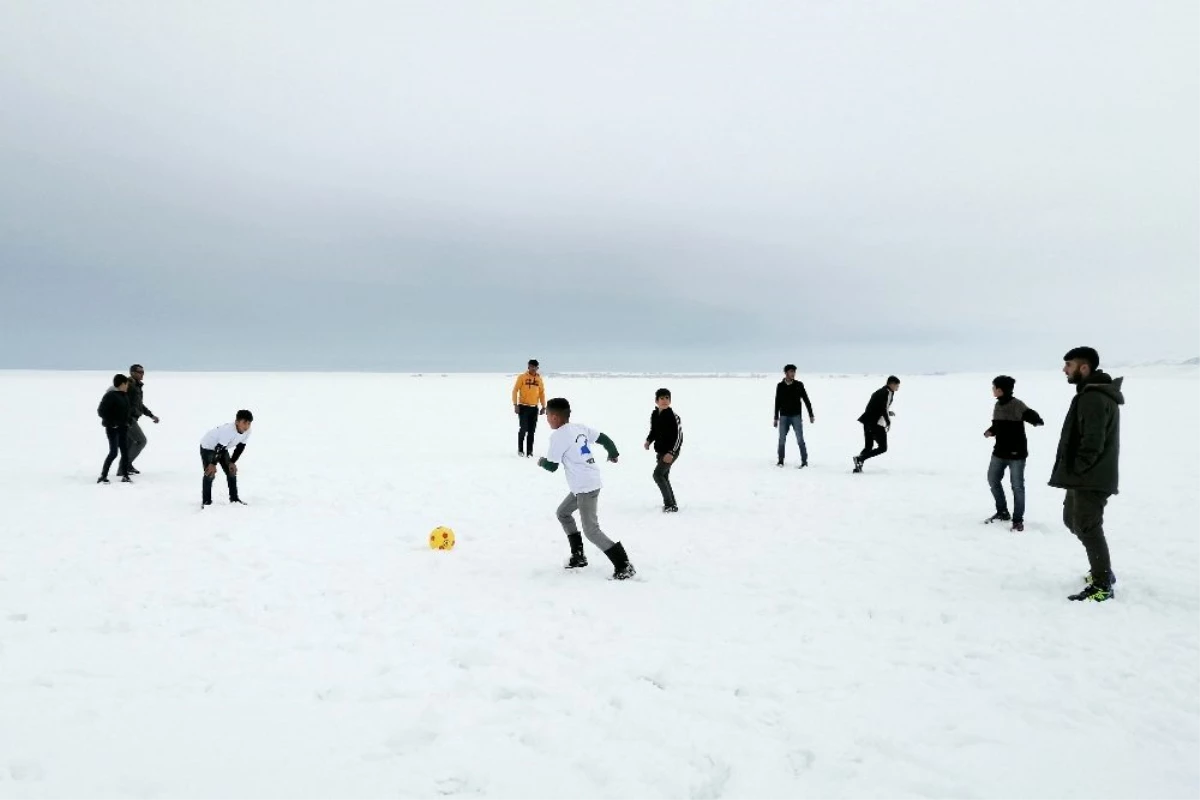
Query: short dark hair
[559, 405]
[1004, 383]
[136, 368]
[789, 367]
[245, 415]
[662, 393]
[119, 380]
[1086, 354]
[533, 362]
[893, 379]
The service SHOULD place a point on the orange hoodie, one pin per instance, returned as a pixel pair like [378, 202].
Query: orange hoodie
[528, 390]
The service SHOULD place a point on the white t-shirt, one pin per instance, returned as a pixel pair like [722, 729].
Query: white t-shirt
[574, 446]
[226, 436]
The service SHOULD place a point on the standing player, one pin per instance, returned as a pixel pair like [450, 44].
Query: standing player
[528, 393]
[571, 446]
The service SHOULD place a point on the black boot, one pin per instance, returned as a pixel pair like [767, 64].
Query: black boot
[622, 569]
[578, 559]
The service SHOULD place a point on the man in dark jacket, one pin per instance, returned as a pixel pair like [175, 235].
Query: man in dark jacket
[666, 434]
[138, 409]
[1086, 463]
[790, 395]
[876, 422]
[1012, 448]
[114, 416]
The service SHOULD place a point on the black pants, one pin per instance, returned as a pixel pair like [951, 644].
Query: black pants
[220, 456]
[118, 441]
[871, 434]
[1083, 514]
[528, 416]
[662, 479]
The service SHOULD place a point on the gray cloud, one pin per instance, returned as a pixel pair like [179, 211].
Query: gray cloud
[626, 186]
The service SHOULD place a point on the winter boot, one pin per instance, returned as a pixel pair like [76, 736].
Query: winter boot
[1097, 594]
[578, 559]
[1000, 516]
[622, 569]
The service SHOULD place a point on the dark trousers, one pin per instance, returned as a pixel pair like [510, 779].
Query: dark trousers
[662, 479]
[118, 441]
[221, 457]
[873, 434]
[1083, 514]
[1016, 476]
[137, 441]
[528, 417]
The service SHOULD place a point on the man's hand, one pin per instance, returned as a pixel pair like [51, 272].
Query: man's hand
[668, 458]
[210, 470]
[232, 468]
[542, 413]
[541, 462]
[777, 422]
[613, 459]
[989, 433]
[516, 409]
[811, 419]
[891, 413]
[155, 420]
[646, 446]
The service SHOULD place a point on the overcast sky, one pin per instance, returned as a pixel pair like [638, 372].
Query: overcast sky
[645, 185]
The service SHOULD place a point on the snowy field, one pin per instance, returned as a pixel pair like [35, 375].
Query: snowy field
[790, 633]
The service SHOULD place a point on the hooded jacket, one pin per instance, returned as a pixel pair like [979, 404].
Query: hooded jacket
[1090, 443]
[114, 408]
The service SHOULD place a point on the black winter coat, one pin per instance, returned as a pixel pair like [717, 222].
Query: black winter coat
[114, 409]
[1090, 444]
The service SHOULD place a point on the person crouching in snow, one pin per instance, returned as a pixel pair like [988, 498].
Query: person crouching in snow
[214, 450]
[571, 446]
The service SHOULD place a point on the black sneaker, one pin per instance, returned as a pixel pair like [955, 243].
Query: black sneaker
[236, 501]
[670, 509]
[1097, 594]
[999, 516]
[134, 471]
[779, 463]
[624, 573]
[803, 464]
[126, 479]
[1018, 526]
[103, 479]
[577, 560]
[858, 464]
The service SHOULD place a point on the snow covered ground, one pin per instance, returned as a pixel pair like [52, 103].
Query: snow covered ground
[790, 634]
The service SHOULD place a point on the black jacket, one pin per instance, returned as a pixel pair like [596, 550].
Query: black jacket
[1008, 426]
[114, 409]
[136, 405]
[788, 399]
[1090, 444]
[877, 408]
[666, 432]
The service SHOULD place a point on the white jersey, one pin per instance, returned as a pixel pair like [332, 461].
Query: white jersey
[574, 445]
[226, 436]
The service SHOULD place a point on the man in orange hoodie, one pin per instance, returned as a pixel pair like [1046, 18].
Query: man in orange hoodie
[528, 396]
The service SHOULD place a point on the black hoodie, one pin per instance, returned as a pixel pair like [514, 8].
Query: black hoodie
[1090, 444]
[114, 409]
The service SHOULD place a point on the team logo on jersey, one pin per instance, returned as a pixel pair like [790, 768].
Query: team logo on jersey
[584, 450]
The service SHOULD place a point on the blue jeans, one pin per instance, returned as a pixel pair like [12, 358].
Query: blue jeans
[1016, 476]
[796, 423]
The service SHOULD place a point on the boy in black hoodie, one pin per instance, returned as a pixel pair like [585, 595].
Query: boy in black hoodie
[115, 413]
[666, 434]
[1012, 448]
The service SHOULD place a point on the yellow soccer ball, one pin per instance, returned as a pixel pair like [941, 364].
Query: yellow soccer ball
[441, 538]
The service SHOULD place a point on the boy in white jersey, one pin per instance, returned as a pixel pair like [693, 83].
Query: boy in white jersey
[214, 450]
[571, 445]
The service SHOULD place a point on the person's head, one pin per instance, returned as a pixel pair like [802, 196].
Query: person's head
[137, 372]
[243, 420]
[1079, 364]
[789, 371]
[1002, 386]
[662, 398]
[558, 412]
[893, 383]
[121, 383]
[533, 366]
